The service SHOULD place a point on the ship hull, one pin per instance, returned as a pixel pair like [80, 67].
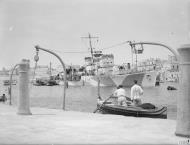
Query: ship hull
[146, 79]
[127, 80]
[149, 79]
[105, 80]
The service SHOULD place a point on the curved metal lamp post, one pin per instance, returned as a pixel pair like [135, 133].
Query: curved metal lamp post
[10, 85]
[159, 44]
[64, 70]
[183, 99]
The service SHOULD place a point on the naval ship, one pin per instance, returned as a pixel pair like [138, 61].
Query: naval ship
[101, 68]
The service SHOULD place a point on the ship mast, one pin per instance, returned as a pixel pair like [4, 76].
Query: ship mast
[50, 69]
[90, 44]
[91, 49]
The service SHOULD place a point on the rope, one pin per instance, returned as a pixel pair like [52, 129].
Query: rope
[115, 45]
[69, 51]
[76, 52]
[99, 49]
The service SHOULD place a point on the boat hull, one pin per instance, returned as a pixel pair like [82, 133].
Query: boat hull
[158, 112]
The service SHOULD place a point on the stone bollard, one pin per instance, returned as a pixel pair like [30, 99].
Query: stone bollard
[183, 101]
[23, 99]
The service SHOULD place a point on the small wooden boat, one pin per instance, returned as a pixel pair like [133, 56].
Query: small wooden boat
[39, 82]
[171, 88]
[7, 82]
[109, 108]
[45, 82]
[51, 83]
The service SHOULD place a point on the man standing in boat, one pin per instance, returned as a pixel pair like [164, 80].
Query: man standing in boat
[136, 93]
[120, 93]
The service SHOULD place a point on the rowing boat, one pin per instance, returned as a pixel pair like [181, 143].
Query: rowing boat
[136, 111]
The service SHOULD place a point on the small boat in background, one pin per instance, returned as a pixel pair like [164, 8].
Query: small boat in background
[51, 82]
[171, 88]
[7, 82]
[40, 82]
[45, 82]
[44, 76]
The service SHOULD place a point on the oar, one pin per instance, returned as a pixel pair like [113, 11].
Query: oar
[98, 108]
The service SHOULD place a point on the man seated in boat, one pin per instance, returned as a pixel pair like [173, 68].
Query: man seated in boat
[136, 93]
[120, 94]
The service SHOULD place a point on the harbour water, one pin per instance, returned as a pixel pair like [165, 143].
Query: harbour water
[83, 98]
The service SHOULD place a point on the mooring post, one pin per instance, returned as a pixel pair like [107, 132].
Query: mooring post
[23, 99]
[183, 101]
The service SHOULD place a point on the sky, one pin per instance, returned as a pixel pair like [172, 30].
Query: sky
[58, 25]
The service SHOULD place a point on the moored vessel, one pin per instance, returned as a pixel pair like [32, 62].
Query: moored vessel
[8, 82]
[101, 68]
[157, 112]
[111, 106]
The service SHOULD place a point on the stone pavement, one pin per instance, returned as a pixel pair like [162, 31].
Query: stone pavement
[53, 126]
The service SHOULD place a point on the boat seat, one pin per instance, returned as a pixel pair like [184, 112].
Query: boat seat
[147, 106]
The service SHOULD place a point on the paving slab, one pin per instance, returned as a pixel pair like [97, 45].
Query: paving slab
[54, 126]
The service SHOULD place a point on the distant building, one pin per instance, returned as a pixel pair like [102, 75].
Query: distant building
[4, 71]
[40, 71]
[170, 70]
[173, 63]
[150, 64]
